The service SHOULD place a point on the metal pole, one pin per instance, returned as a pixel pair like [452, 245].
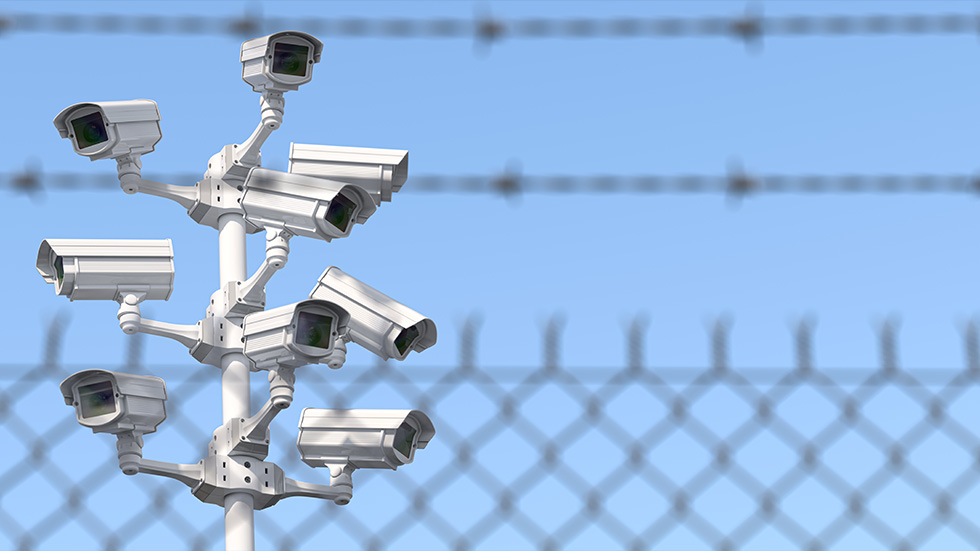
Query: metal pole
[239, 512]
[239, 523]
[231, 248]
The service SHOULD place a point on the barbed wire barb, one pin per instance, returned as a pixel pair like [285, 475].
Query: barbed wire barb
[719, 343]
[888, 345]
[551, 337]
[636, 342]
[467, 341]
[53, 339]
[803, 343]
[971, 345]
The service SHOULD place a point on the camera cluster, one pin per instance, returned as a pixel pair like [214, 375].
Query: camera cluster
[324, 193]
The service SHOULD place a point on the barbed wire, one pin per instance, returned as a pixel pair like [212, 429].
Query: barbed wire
[33, 181]
[485, 28]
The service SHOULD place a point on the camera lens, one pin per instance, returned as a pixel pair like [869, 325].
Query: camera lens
[96, 399]
[406, 339]
[89, 130]
[314, 330]
[340, 212]
[59, 267]
[290, 59]
[404, 437]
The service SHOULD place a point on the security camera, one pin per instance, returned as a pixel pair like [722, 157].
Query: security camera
[111, 129]
[303, 205]
[108, 269]
[108, 401]
[293, 335]
[362, 438]
[280, 62]
[380, 172]
[379, 323]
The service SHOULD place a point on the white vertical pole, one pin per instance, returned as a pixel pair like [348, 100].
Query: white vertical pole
[239, 515]
[239, 523]
[231, 247]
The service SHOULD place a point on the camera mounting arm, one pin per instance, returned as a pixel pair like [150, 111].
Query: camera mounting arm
[194, 477]
[132, 322]
[339, 491]
[128, 168]
[251, 293]
[272, 105]
[190, 475]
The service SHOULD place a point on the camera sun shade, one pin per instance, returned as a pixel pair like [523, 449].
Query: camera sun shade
[380, 172]
[303, 205]
[280, 62]
[362, 438]
[108, 401]
[108, 269]
[382, 325]
[293, 335]
[111, 129]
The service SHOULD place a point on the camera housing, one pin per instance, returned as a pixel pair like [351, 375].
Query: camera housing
[293, 335]
[304, 205]
[108, 269]
[112, 402]
[380, 172]
[382, 325]
[111, 129]
[281, 61]
[362, 438]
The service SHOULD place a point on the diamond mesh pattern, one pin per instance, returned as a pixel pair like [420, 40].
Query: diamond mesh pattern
[543, 458]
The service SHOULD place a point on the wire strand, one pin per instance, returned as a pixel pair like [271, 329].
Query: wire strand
[746, 28]
[32, 181]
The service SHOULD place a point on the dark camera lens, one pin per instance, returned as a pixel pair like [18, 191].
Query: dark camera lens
[406, 339]
[97, 399]
[59, 267]
[340, 212]
[314, 330]
[290, 59]
[404, 437]
[89, 130]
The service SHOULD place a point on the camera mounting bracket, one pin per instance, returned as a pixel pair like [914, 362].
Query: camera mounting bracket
[245, 298]
[132, 322]
[129, 168]
[217, 476]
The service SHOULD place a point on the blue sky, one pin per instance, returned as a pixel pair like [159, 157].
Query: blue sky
[797, 105]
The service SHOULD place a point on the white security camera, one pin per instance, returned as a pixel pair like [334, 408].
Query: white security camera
[108, 269]
[293, 335]
[380, 172]
[362, 438]
[111, 129]
[107, 401]
[303, 205]
[382, 325]
[281, 61]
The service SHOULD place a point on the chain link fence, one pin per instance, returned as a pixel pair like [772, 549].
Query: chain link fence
[549, 457]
